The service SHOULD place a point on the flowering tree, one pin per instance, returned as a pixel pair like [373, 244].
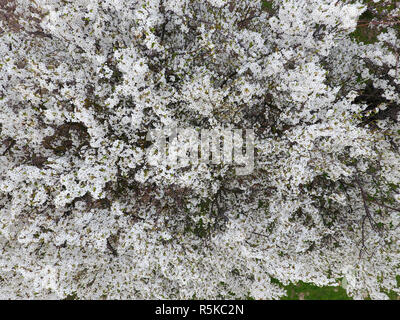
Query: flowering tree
[88, 211]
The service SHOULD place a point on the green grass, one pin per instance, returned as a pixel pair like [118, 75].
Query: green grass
[306, 291]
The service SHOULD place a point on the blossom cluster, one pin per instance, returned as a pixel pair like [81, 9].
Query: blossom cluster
[85, 213]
